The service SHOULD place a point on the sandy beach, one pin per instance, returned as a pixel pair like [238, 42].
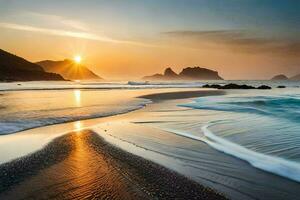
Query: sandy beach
[135, 155]
[81, 165]
[157, 99]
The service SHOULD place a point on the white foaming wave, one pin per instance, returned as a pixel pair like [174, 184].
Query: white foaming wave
[156, 83]
[183, 134]
[25, 124]
[275, 165]
[20, 86]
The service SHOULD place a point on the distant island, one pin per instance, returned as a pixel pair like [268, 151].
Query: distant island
[68, 69]
[189, 73]
[283, 77]
[15, 68]
[280, 77]
[295, 78]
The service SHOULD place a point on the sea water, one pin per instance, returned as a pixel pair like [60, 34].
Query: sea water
[262, 128]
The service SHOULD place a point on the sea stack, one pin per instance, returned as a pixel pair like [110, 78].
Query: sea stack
[188, 73]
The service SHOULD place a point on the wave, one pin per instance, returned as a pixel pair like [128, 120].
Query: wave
[284, 107]
[275, 165]
[16, 86]
[272, 164]
[22, 124]
[187, 83]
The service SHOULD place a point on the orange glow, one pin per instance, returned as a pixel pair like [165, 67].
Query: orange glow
[78, 126]
[77, 59]
[77, 97]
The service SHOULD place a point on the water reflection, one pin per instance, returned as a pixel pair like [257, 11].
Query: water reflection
[77, 97]
[78, 126]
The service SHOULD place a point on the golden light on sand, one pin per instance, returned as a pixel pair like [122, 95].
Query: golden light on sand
[78, 126]
[77, 59]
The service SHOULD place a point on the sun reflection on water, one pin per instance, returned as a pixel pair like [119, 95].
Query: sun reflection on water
[78, 126]
[77, 97]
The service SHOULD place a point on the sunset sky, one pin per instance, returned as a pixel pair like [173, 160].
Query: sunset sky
[124, 39]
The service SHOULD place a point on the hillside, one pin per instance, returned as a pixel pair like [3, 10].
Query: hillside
[15, 68]
[68, 69]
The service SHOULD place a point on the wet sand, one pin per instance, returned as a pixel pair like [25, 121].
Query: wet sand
[81, 165]
[156, 97]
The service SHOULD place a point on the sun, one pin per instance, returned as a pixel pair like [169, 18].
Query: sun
[77, 59]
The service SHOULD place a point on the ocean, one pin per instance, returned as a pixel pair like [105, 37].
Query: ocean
[259, 127]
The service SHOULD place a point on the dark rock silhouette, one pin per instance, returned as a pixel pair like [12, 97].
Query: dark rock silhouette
[68, 69]
[264, 87]
[189, 73]
[199, 74]
[15, 68]
[236, 86]
[280, 77]
[281, 86]
[170, 73]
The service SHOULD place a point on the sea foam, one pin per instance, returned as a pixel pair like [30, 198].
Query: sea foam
[272, 164]
[279, 166]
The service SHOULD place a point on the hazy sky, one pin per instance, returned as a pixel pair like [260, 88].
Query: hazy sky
[242, 39]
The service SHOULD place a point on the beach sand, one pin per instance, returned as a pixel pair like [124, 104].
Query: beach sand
[81, 165]
[131, 156]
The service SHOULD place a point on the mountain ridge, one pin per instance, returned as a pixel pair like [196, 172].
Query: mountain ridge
[16, 68]
[68, 69]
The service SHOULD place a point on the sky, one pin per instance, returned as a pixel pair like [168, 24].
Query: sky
[127, 39]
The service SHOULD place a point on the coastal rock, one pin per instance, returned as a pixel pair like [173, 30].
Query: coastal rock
[235, 86]
[68, 69]
[280, 77]
[199, 73]
[15, 68]
[281, 86]
[189, 73]
[215, 86]
[264, 87]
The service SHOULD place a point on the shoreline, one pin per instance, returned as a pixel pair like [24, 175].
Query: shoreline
[140, 177]
[134, 133]
[154, 97]
[18, 140]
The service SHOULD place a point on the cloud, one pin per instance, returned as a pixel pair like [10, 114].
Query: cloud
[62, 26]
[59, 19]
[236, 40]
[74, 34]
[58, 32]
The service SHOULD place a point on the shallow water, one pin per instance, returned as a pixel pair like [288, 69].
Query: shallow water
[189, 136]
[259, 127]
[174, 136]
[23, 110]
